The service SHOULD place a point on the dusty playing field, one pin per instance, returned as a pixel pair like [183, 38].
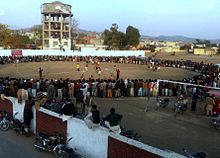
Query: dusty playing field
[56, 70]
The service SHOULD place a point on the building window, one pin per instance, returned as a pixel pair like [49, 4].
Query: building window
[65, 43]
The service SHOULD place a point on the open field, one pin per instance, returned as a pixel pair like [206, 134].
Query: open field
[56, 70]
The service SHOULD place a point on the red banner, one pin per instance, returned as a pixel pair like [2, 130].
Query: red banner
[16, 52]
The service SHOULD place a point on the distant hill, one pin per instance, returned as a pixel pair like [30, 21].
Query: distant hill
[216, 41]
[143, 37]
[175, 38]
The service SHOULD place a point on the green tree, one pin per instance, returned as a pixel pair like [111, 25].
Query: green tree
[107, 35]
[207, 43]
[74, 31]
[13, 38]
[5, 32]
[37, 39]
[132, 36]
[113, 38]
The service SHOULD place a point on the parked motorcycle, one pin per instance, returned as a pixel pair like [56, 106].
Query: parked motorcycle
[131, 134]
[4, 121]
[127, 133]
[64, 150]
[216, 122]
[47, 143]
[162, 102]
[19, 126]
[195, 155]
[180, 107]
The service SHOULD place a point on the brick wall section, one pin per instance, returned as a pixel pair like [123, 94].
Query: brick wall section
[6, 105]
[119, 149]
[50, 125]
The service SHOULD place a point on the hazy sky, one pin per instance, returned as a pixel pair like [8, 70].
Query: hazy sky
[192, 18]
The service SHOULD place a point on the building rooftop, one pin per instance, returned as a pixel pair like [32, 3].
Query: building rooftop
[56, 8]
[57, 2]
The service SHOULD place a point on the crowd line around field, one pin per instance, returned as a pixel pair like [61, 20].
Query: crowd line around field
[113, 86]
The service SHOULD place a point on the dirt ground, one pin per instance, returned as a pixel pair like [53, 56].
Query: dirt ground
[56, 70]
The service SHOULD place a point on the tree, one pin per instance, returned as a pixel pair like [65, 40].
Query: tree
[113, 38]
[199, 41]
[132, 36]
[107, 35]
[185, 47]
[5, 32]
[37, 39]
[207, 43]
[74, 31]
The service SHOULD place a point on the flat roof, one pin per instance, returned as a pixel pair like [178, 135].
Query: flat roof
[57, 2]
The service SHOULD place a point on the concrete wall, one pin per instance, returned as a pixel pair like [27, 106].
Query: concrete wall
[120, 146]
[91, 144]
[50, 123]
[84, 52]
[6, 105]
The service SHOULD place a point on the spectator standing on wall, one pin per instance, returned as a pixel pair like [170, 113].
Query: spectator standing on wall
[28, 114]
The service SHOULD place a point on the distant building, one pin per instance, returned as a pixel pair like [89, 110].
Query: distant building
[56, 25]
[167, 47]
[199, 51]
[205, 51]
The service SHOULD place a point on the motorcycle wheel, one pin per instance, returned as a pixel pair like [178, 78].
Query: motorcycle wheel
[12, 126]
[175, 113]
[4, 126]
[39, 142]
[27, 133]
[217, 127]
[58, 152]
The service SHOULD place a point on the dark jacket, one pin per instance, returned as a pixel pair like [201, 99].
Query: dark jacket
[28, 114]
[68, 109]
[113, 119]
[96, 116]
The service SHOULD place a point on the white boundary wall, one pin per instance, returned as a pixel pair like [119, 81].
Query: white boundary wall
[89, 143]
[83, 52]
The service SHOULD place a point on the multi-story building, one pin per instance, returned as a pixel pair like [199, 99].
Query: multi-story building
[56, 25]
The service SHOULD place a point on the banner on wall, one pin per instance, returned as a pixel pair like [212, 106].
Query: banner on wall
[16, 52]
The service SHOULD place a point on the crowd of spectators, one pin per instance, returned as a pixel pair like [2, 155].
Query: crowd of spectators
[111, 87]
[83, 89]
